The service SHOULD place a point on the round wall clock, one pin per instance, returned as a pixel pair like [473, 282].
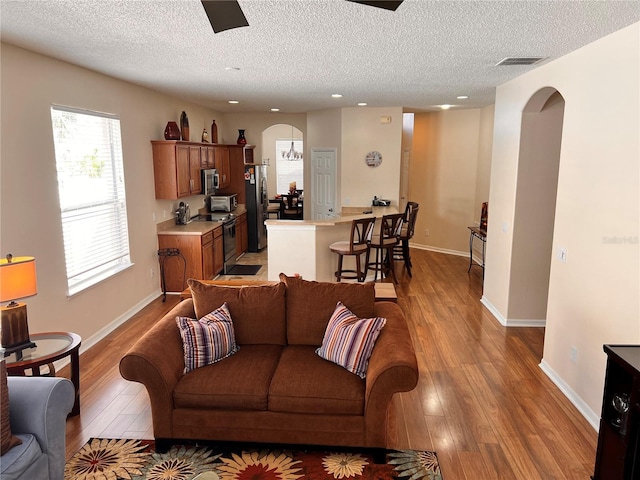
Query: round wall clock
[373, 159]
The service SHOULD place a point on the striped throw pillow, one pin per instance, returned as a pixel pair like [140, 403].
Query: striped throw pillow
[207, 340]
[348, 340]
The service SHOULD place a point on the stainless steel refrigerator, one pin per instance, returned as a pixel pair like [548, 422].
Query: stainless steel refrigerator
[257, 202]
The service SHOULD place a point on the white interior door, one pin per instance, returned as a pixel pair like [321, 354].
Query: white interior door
[323, 175]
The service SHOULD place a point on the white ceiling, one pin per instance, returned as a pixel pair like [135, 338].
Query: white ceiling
[296, 53]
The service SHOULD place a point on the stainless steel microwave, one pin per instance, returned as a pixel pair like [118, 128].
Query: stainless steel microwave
[210, 181]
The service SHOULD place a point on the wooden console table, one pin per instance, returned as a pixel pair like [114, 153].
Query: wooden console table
[480, 234]
[385, 292]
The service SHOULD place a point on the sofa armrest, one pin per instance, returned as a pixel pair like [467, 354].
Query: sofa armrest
[393, 368]
[39, 406]
[157, 361]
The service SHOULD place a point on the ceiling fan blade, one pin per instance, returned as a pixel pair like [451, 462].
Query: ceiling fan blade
[224, 14]
[386, 4]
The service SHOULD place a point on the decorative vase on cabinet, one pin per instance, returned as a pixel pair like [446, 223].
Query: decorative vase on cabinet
[171, 131]
[184, 126]
[214, 132]
[241, 139]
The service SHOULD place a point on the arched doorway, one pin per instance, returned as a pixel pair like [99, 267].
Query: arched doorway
[536, 192]
[270, 136]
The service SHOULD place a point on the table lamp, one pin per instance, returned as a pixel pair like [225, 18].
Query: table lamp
[17, 280]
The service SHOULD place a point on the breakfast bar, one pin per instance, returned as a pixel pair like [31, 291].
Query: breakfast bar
[302, 246]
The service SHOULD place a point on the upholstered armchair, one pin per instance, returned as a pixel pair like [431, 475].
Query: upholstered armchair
[38, 408]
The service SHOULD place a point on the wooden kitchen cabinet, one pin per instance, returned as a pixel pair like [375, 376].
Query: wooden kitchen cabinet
[618, 455]
[208, 254]
[204, 257]
[218, 250]
[221, 156]
[242, 234]
[176, 168]
[207, 157]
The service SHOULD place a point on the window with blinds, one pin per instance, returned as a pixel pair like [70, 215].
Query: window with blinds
[289, 165]
[93, 210]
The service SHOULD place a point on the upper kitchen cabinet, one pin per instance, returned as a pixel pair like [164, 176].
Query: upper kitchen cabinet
[221, 155]
[176, 168]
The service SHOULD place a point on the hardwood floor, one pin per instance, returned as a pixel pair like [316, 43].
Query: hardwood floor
[482, 402]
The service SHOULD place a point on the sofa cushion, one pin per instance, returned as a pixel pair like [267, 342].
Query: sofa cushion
[207, 340]
[241, 382]
[17, 460]
[349, 340]
[7, 440]
[258, 312]
[305, 383]
[310, 305]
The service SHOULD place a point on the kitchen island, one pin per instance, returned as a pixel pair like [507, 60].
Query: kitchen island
[302, 246]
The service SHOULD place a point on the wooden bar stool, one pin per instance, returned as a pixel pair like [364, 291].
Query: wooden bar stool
[401, 251]
[361, 230]
[383, 244]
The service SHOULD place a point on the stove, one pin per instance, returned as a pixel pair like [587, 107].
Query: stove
[220, 217]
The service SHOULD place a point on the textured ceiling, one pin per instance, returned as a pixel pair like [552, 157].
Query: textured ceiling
[296, 53]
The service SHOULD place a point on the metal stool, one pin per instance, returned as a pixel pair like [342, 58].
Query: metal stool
[164, 254]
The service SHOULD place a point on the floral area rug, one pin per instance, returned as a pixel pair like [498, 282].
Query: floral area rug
[105, 459]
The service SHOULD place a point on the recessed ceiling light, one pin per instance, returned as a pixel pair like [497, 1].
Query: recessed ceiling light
[362, 104]
[234, 101]
[275, 109]
[462, 97]
[235, 69]
[336, 95]
[445, 106]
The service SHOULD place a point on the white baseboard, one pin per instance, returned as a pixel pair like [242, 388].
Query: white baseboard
[592, 417]
[107, 329]
[511, 322]
[494, 311]
[439, 250]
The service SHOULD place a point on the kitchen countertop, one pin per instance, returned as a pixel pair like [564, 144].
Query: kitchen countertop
[346, 216]
[169, 227]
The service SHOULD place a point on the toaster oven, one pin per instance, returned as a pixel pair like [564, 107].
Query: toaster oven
[223, 203]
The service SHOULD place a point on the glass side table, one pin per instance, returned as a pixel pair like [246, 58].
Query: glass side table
[50, 347]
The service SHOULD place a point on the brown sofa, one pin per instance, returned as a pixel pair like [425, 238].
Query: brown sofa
[276, 388]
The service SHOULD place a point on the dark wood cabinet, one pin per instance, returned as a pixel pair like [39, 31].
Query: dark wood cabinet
[618, 455]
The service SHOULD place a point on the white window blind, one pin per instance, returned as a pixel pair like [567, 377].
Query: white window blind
[289, 170]
[90, 171]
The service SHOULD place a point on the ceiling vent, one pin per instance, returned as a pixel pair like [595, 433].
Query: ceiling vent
[509, 61]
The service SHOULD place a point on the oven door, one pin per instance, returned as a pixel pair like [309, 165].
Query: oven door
[229, 240]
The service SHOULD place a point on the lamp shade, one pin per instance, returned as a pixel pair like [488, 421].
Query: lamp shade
[17, 278]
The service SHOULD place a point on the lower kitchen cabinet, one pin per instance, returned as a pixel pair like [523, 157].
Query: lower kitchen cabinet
[241, 234]
[218, 250]
[203, 254]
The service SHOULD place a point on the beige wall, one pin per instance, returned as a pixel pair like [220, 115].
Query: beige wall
[449, 175]
[593, 297]
[30, 212]
[362, 133]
